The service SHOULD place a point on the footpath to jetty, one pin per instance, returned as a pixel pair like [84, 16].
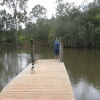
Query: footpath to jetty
[47, 81]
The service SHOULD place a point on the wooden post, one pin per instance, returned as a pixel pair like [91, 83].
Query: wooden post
[61, 49]
[32, 51]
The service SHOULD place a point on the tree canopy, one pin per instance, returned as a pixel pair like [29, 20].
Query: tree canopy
[78, 25]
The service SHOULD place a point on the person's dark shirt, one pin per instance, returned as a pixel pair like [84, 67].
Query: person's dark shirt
[56, 45]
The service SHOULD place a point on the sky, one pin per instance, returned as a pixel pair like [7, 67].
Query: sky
[50, 5]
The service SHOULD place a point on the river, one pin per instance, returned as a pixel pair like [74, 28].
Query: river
[83, 67]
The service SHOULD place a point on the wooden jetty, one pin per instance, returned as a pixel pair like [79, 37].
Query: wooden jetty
[47, 81]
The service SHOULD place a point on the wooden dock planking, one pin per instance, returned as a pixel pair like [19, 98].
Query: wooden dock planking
[48, 81]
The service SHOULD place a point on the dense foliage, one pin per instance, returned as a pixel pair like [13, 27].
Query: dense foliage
[78, 25]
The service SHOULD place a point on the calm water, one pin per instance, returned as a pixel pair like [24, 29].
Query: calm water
[83, 66]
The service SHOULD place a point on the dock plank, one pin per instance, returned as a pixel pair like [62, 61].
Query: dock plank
[48, 81]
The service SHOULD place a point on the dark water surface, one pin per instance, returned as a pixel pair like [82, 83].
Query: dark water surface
[83, 66]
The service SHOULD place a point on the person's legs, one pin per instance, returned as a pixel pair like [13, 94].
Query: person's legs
[55, 57]
[56, 54]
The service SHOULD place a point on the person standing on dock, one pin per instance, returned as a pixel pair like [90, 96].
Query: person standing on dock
[56, 48]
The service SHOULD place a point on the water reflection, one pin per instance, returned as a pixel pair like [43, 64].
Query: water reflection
[86, 91]
[11, 63]
[84, 71]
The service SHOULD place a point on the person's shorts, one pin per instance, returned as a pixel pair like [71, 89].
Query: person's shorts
[57, 52]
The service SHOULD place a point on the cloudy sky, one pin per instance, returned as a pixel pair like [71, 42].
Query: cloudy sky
[50, 5]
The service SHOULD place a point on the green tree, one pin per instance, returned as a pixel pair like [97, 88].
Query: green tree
[38, 12]
[18, 13]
